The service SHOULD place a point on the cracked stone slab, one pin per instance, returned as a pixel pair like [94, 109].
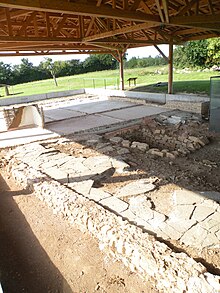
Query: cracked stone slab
[82, 187]
[115, 204]
[211, 221]
[181, 226]
[186, 197]
[158, 218]
[195, 236]
[211, 240]
[98, 162]
[169, 231]
[141, 207]
[201, 212]
[98, 194]
[182, 212]
[135, 188]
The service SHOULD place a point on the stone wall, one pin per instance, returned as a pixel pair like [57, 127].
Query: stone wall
[162, 140]
[153, 260]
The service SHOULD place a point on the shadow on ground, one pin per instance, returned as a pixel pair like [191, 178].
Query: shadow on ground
[24, 264]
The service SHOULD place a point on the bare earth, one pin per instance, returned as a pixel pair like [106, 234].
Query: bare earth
[40, 252]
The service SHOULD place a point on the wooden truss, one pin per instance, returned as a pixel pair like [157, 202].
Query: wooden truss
[42, 27]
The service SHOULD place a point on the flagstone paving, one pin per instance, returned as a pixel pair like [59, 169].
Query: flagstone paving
[194, 219]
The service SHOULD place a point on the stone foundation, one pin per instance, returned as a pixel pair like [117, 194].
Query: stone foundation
[153, 260]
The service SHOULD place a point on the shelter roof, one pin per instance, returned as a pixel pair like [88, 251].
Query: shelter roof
[41, 27]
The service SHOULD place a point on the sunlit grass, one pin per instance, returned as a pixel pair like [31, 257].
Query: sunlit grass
[188, 82]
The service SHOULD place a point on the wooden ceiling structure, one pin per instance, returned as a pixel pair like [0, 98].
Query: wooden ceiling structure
[48, 27]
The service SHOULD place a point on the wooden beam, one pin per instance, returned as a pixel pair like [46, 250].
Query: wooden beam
[121, 71]
[39, 39]
[60, 25]
[26, 23]
[195, 19]
[13, 14]
[8, 19]
[170, 65]
[44, 53]
[161, 52]
[130, 41]
[165, 4]
[135, 5]
[187, 7]
[78, 8]
[160, 10]
[123, 30]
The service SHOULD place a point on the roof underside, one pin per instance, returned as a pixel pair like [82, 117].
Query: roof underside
[41, 27]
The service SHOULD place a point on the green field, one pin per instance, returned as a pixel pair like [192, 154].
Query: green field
[184, 82]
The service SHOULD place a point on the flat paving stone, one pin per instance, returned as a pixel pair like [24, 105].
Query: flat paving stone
[182, 212]
[83, 187]
[61, 113]
[114, 204]
[168, 230]
[181, 226]
[135, 112]
[100, 106]
[98, 194]
[57, 174]
[81, 124]
[195, 236]
[186, 197]
[135, 188]
[201, 212]
[24, 136]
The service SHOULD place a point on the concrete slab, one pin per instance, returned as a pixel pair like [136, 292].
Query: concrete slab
[135, 112]
[61, 113]
[100, 106]
[81, 124]
[24, 136]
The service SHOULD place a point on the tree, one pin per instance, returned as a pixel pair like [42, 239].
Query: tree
[192, 54]
[51, 67]
[213, 52]
[6, 73]
[99, 62]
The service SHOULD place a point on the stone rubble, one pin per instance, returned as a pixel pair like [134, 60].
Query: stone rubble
[162, 140]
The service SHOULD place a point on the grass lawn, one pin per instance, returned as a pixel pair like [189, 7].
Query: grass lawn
[188, 82]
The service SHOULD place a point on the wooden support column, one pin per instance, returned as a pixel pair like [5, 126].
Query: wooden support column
[121, 69]
[170, 65]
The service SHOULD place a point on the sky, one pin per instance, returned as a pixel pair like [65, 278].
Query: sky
[136, 52]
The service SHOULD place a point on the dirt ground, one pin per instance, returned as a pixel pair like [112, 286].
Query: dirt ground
[40, 252]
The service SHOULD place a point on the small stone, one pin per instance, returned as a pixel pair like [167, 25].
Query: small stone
[126, 143]
[140, 146]
[170, 156]
[122, 151]
[116, 139]
[156, 153]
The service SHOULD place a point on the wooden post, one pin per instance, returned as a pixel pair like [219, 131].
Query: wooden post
[170, 80]
[121, 69]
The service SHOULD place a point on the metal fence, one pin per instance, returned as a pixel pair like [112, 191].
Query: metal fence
[214, 120]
